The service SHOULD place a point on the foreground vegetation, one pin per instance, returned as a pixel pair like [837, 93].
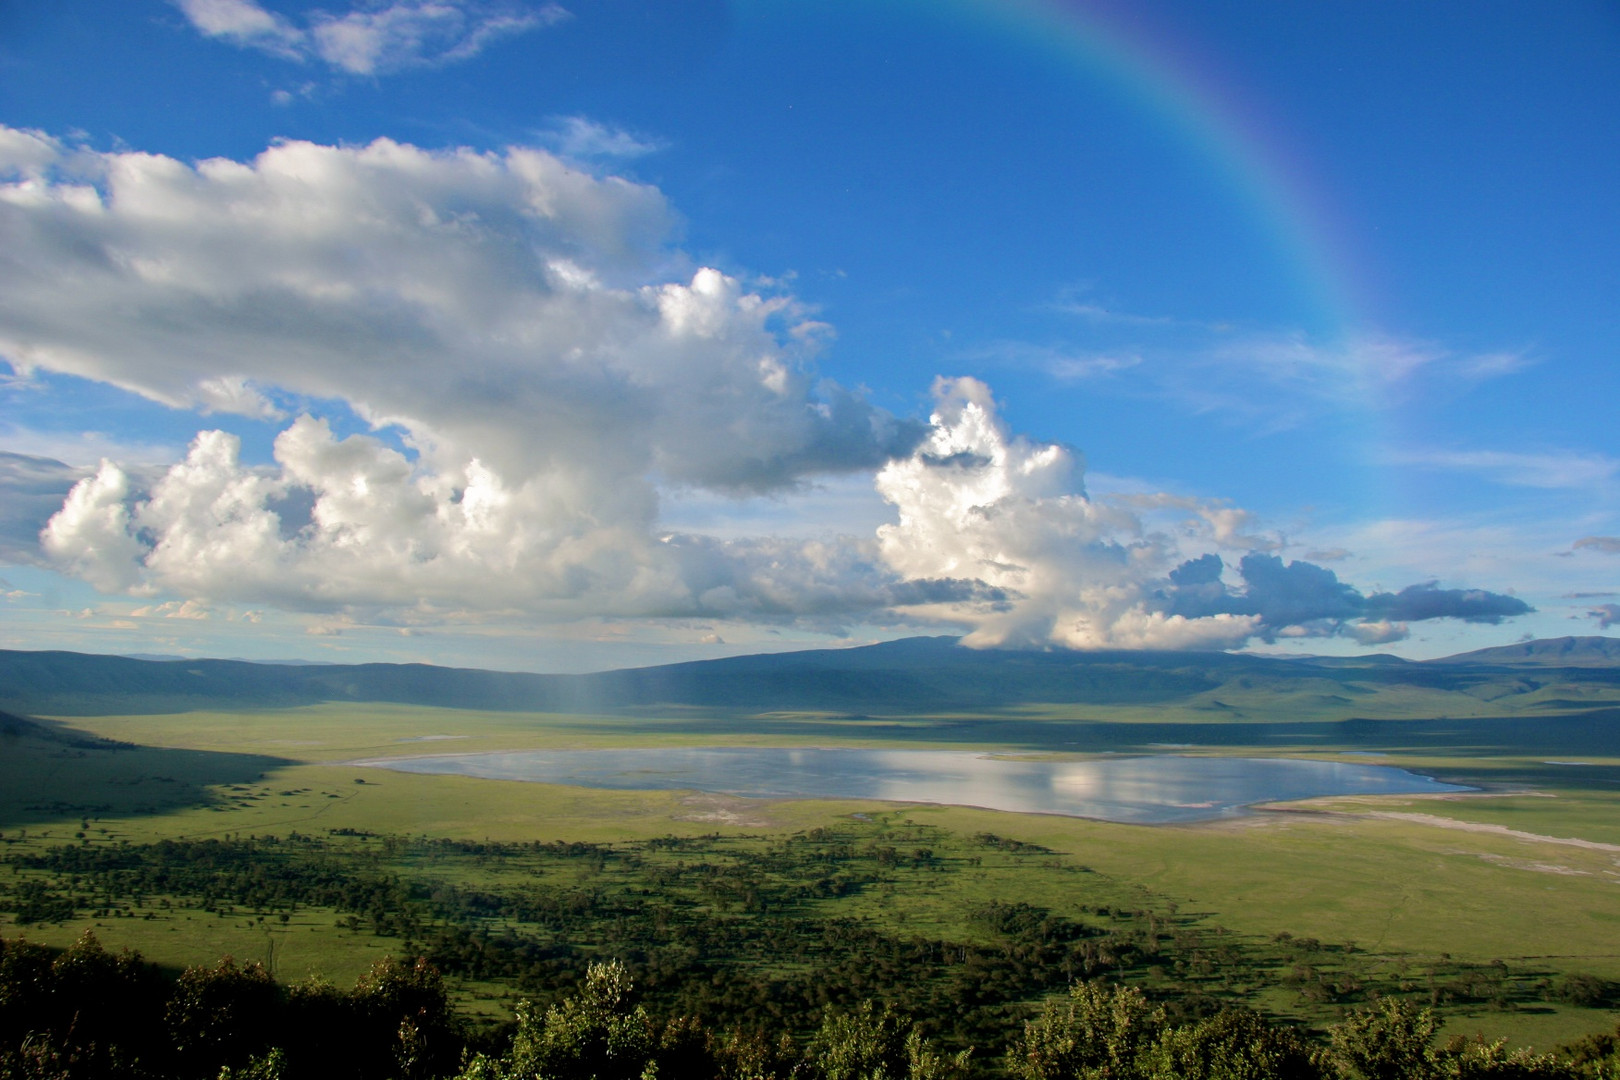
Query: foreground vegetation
[87, 1014]
[756, 932]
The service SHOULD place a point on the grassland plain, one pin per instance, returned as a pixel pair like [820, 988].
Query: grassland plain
[1423, 888]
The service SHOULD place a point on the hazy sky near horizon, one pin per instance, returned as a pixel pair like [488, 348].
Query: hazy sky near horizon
[558, 336]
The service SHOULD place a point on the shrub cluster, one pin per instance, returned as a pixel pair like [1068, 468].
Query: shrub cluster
[88, 1014]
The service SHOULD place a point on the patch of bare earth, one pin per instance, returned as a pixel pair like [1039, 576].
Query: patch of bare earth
[1527, 864]
[1494, 830]
[1274, 813]
[723, 810]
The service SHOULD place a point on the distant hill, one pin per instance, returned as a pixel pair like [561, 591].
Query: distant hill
[907, 677]
[1547, 652]
[911, 675]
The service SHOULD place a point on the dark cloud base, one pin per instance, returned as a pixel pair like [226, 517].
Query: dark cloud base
[1302, 594]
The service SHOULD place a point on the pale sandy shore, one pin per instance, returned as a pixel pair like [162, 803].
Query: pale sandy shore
[1495, 830]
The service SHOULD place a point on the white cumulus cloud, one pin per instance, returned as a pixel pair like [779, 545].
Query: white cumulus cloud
[498, 305]
[546, 360]
[977, 502]
[539, 365]
[346, 524]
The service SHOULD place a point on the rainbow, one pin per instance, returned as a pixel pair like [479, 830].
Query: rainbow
[1163, 74]
[1165, 77]
[1178, 89]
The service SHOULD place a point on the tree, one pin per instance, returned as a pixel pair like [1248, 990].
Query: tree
[1477, 1059]
[1095, 1033]
[593, 1036]
[84, 1012]
[1233, 1045]
[222, 1015]
[1395, 1041]
[406, 1008]
[868, 1044]
[270, 1066]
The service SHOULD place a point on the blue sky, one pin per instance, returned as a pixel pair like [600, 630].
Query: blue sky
[568, 335]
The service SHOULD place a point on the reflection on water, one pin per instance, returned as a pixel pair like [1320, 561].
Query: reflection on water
[1150, 789]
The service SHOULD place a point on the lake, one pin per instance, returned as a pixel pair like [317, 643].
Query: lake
[1150, 789]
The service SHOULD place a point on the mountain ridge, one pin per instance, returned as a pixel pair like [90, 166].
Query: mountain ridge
[1588, 651]
[909, 675]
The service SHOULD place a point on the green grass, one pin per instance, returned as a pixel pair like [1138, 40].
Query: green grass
[1407, 892]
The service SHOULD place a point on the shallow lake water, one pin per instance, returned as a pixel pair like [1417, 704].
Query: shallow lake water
[1152, 789]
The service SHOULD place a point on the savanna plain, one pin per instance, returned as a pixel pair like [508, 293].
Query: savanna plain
[192, 834]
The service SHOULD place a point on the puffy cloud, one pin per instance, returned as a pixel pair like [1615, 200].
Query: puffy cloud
[1429, 601]
[1301, 597]
[372, 39]
[976, 502]
[546, 362]
[350, 523]
[504, 306]
[1297, 593]
[1607, 615]
[91, 536]
[994, 534]
[174, 609]
[1226, 524]
[27, 154]
[1276, 595]
[1139, 629]
[244, 22]
[1379, 633]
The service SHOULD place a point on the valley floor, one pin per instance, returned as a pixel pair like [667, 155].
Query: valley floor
[192, 836]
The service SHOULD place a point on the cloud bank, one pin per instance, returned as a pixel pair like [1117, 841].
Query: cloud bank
[32, 489]
[1301, 598]
[537, 362]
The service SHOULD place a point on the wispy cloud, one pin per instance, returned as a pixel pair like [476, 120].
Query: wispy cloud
[582, 139]
[1557, 469]
[1267, 380]
[1078, 301]
[1067, 365]
[1609, 545]
[1493, 365]
[1096, 313]
[1368, 364]
[372, 39]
